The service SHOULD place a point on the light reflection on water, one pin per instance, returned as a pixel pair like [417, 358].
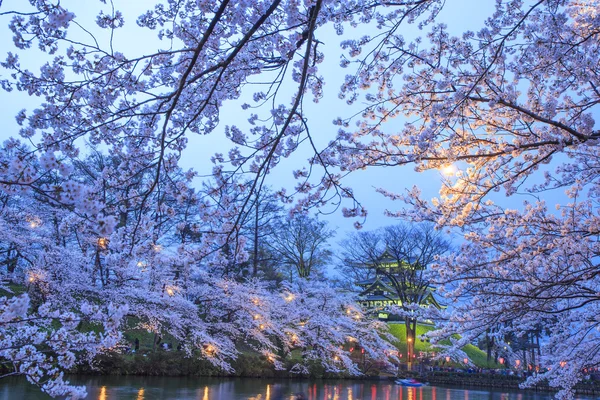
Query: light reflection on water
[170, 388]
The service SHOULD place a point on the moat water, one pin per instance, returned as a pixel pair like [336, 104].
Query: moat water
[199, 388]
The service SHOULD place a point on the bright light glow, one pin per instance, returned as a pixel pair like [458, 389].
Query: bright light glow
[170, 291]
[140, 394]
[448, 170]
[102, 243]
[209, 349]
[157, 248]
[289, 297]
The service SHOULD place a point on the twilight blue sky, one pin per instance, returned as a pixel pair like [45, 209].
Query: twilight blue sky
[459, 15]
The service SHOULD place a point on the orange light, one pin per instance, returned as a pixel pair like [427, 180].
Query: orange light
[209, 349]
[102, 243]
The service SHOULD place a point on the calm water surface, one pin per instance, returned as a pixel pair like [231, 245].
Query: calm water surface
[170, 388]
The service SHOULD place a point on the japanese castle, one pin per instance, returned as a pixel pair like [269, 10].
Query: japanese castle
[378, 292]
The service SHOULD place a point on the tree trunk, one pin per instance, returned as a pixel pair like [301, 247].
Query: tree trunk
[411, 330]
[255, 250]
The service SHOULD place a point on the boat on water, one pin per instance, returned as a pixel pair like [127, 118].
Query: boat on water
[410, 382]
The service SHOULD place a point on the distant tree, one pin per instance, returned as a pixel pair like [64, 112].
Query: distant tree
[301, 244]
[263, 219]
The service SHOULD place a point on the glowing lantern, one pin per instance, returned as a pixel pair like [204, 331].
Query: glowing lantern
[209, 349]
[517, 362]
[501, 360]
[447, 359]
[466, 360]
[562, 364]
[102, 243]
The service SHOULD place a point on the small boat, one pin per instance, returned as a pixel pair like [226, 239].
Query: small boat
[410, 382]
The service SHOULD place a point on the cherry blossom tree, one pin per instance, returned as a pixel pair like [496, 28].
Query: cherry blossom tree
[510, 106]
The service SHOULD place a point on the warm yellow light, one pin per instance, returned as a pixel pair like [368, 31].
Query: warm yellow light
[209, 349]
[336, 358]
[102, 243]
[409, 340]
[261, 327]
[157, 248]
[205, 393]
[140, 395]
[34, 222]
[289, 297]
[255, 302]
[348, 311]
[448, 170]
[256, 316]
[102, 394]
[31, 278]
[170, 291]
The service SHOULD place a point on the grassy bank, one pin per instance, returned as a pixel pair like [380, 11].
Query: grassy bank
[478, 357]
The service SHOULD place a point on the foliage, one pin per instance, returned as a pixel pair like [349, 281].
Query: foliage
[511, 105]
